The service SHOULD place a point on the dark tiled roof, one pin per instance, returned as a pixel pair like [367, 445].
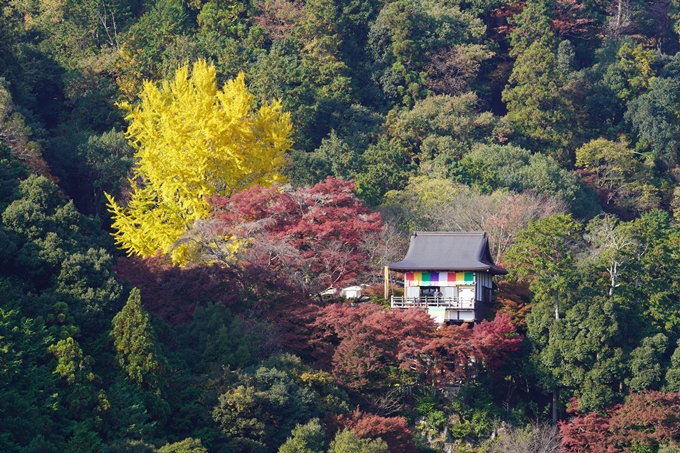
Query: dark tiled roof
[448, 251]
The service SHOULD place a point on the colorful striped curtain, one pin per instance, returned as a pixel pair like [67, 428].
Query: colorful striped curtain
[438, 278]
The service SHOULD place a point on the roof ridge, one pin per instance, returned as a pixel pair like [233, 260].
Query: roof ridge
[448, 251]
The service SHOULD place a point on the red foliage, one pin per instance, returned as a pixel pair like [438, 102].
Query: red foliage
[393, 430]
[294, 317]
[500, 18]
[586, 432]
[570, 19]
[312, 235]
[172, 292]
[496, 340]
[279, 17]
[359, 343]
[645, 419]
[444, 356]
[454, 353]
[513, 298]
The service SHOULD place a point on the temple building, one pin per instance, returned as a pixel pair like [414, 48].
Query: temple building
[447, 273]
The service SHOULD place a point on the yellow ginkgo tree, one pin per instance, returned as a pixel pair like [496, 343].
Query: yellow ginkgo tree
[193, 141]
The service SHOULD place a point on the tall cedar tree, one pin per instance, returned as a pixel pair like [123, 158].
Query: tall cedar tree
[134, 341]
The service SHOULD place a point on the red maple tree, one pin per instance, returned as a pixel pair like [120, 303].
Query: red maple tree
[313, 236]
[454, 354]
[647, 419]
[393, 430]
[172, 292]
[358, 344]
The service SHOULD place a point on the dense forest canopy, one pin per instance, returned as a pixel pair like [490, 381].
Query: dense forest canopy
[180, 181]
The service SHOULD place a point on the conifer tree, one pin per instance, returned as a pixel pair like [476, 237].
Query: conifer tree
[536, 101]
[134, 341]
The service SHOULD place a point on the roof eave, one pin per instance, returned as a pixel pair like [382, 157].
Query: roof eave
[493, 270]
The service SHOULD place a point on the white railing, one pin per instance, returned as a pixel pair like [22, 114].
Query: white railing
[432, 301]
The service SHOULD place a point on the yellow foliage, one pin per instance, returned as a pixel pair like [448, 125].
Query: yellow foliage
[194, 141]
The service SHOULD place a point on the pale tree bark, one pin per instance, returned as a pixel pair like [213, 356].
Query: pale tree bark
[619, 23]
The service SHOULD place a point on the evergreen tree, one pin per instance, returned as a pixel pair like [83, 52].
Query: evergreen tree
[307, 438]
[135, 344]
[348, 442]
[537, 104]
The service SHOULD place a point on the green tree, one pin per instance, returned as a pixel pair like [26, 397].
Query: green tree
[186, 446]
[80, 396]
[264, 406]
[656, 284]
[386, 166]
[672, 378]
[344, 161]
[532, 25]
[536, 102]
[307, 438]
[129, 412]
[542, 255]
[348, 442]
[109, 159]
[439, 130]
[147, 44]
[635, 65]
[263, 410]
[515, 168]
[622, 71]
[21, 139]
[654, 117]
[87, 283]
[413, 208]
[645, 363]
[60, 255]
[135, 344]
[216, 338]
[586, 351]
[404, 38]
[85, 440]
[303, 66]
[620, 175]
[28, 389]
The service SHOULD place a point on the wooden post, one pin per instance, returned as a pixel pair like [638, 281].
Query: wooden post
[387, 282]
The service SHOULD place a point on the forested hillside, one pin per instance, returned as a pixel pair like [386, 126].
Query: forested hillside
[181, 180]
